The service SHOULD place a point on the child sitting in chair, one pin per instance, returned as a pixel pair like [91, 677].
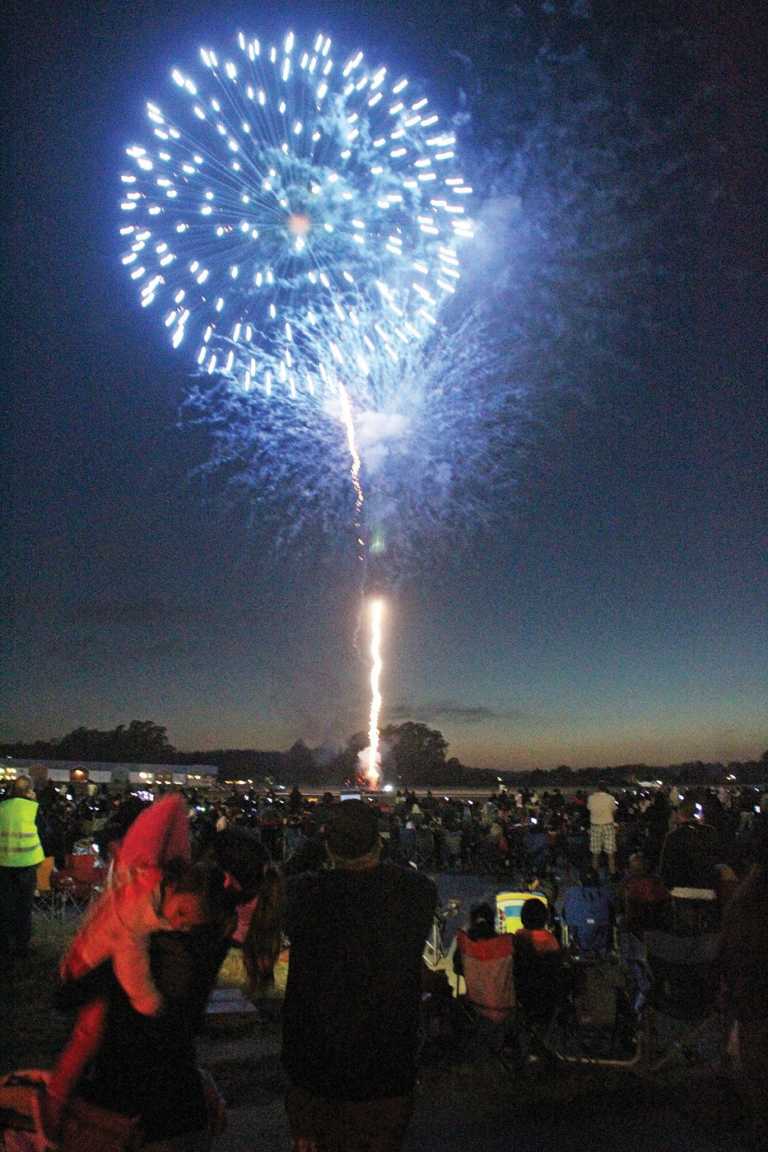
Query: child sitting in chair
[539, 969]
[534, 932]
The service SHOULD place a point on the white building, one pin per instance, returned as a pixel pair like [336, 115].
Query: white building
[80, 772]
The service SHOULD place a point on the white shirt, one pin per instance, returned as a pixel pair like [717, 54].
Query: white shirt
[601, 808]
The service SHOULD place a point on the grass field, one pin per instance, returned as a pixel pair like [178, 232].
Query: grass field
[462, 1098]
[31, 1031]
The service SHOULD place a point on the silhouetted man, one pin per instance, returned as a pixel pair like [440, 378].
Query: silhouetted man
[351, 1012]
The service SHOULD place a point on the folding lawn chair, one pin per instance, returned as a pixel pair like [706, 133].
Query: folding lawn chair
[79, 882]
[683, 1013]
[588, 920]
[47, 903]
[487, 967]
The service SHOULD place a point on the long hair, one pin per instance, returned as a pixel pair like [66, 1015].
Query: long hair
[261, 946]
[242, 855]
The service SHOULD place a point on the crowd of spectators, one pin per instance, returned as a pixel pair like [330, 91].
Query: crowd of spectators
[522, 834]
[511, 833]
[594, 858]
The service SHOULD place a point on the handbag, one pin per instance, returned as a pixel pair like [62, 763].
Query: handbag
[88, 1128]
[85, 1126]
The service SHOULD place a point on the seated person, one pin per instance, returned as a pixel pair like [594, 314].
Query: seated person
[743, 964]
[539, 970]
[485, 960]
[544, 883]
[588, 912]
[536, 844]
[645, 899]
[534, 932]
[689, 855]
[481, 927]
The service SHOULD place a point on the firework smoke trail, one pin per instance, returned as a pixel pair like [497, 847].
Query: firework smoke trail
[434, 432]
[346, 415]
[376, 609]
[354, 472]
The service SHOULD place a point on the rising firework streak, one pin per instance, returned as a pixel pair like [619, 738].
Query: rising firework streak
[373, 774]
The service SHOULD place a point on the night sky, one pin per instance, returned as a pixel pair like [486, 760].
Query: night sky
[613, 609]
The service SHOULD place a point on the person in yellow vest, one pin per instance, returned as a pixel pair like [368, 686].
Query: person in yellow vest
[20, 853]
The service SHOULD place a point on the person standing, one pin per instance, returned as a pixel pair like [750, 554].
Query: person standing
[20, 853]
[602, 829]
[351, 1010]
[690, 853]
[743, 964]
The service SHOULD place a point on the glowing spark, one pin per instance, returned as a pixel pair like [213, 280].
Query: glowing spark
[376, 613]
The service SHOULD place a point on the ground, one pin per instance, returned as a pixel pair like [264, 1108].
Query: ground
[464, 1101]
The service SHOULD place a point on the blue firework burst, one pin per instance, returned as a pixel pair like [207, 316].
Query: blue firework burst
[279, 185]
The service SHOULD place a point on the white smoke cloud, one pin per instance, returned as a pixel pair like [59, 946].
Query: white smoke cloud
[376, 431]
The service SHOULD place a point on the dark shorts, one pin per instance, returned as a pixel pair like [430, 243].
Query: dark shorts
[348, 1125]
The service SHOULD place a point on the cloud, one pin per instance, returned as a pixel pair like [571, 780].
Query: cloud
[443, 710]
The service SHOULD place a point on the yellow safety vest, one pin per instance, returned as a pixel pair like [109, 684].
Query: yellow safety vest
[20, 845]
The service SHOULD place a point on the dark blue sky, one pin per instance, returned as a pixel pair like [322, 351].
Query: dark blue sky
[615, 612]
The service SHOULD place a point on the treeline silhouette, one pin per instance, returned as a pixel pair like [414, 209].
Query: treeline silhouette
[412, 755]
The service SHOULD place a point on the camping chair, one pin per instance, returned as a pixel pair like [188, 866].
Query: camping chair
[425, 847]
[695, 911]
[452, 845]
[606, 1023]
[542, 988]
[577, 1010]
[683, 1010]
[408, 843]
[67, 895]
[487, 968]
[587, 918]
[81, 880]
[47, 903]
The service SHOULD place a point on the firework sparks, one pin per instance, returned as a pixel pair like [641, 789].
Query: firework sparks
[354, 471]
[300, 225]
[277, 183]
[432, 432]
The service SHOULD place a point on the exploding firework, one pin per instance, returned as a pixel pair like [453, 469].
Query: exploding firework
[434, 434]
[279, 184]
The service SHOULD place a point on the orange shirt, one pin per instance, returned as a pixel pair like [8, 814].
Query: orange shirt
[541, 940]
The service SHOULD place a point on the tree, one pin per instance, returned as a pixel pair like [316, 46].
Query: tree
[142, 741]
[415, 752]
[300, 764]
